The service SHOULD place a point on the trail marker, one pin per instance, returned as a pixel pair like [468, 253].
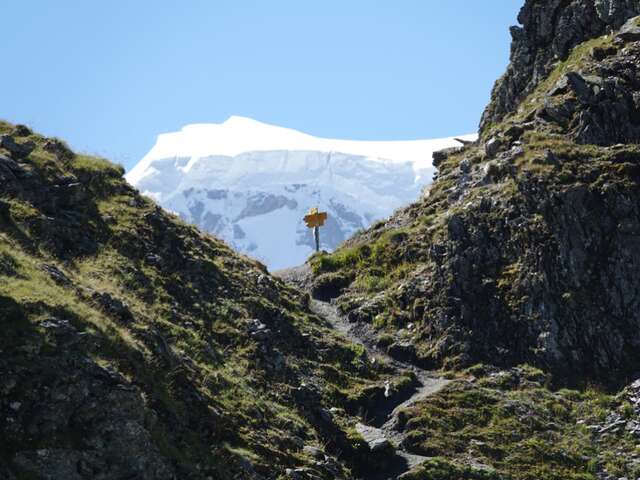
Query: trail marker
[315, 220]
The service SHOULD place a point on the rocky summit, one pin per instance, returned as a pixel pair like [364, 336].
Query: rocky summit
[488, 331]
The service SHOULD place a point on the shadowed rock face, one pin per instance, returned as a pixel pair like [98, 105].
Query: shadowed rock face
[99, 404]
[525, 249]
[549, 30]
[261, 203]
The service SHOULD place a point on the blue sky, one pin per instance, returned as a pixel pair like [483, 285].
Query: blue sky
[109, 76]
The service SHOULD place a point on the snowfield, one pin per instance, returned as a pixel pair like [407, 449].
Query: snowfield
[251, 183]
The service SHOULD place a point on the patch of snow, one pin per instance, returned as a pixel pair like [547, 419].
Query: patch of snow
[251, 183]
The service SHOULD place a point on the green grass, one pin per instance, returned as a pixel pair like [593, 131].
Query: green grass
[374, 266]
[519, 428]
[441, 469]
[22, 211]
[96, 166]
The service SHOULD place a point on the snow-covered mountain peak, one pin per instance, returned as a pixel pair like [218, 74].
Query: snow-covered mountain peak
[251, 183]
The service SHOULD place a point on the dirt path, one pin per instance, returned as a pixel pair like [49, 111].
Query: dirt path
[383, 425]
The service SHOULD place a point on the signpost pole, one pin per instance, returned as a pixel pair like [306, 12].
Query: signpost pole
[315, 219]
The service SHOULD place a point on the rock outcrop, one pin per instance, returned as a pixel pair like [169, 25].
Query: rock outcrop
[549, 30]
[526, 248]
[520, 268]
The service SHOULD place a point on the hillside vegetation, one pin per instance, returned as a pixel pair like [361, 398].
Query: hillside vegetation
[135, 346]
[517, 272]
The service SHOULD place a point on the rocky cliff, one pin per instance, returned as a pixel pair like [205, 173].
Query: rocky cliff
[549, 30]
[526, 251]
[526, 248]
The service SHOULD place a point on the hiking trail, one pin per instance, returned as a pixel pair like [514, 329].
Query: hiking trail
[382, 425]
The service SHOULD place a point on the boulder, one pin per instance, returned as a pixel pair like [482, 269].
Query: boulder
[492, 147]
[379, 444]
[58, 148]
[20, 150]
[258, 330]
[56, 274]
[630, 31]
[113, 306]
[314, 452]
[375, 438]
[494, 171]
[465, 165]
[21, 131]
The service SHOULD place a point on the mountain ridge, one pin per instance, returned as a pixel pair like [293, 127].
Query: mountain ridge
[239, 134]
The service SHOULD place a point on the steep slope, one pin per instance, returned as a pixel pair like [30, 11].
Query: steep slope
[251, 183]
[135, 346]
[525, 251]
[548, 32]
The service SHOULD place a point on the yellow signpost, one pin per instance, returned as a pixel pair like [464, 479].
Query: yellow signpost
[315, 220]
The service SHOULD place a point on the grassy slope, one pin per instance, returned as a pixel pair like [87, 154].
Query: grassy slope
[509, 424]
[221, 397]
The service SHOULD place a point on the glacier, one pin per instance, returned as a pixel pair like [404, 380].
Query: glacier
[251, 183]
